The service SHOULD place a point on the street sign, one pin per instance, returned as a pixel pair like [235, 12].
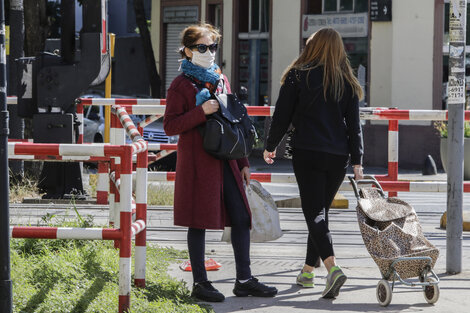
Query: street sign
[381, 10]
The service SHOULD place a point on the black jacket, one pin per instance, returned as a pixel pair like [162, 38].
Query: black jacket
[326, 126]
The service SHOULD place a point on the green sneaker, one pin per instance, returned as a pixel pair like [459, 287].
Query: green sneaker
[305, 279]
[334, 281]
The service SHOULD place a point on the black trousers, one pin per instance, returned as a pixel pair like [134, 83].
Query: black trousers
[240, 235]
[319, 176]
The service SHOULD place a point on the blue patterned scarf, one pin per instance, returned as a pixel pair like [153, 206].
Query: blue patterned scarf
[208, 77]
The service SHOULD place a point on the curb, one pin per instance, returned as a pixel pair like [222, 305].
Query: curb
[466, 221]
[339, 202]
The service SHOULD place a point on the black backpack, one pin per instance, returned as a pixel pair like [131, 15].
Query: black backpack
[229, 133]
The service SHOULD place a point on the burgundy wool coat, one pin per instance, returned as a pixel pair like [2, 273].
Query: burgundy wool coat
[199, 176]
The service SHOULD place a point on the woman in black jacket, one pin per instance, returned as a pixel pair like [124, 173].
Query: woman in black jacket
[319, 96]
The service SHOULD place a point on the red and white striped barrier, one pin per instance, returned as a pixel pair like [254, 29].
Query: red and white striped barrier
[410, 186]
[127, 123]
[20, 140]
[162, 146]
[125, 229]
[65, 233]
[405, 115]
[73, 151]
[160, 155]
[114, 101]
[12, 100]
[289, 178]
[137, 227]
[149, 120]
[144, 109]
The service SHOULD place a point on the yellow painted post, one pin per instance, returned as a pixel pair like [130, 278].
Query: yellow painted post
[107, 93]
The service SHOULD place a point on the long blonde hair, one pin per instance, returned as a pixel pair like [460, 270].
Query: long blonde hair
[325, 48]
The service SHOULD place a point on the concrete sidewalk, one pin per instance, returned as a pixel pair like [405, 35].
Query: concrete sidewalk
[357, 295]
[277, 263]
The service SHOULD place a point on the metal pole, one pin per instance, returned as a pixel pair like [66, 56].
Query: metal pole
[455, 150]
[5, 279]
[16, 52]
[107, 92]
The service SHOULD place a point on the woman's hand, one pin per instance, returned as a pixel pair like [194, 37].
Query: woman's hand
[246, 175]
[358, 174]
[210, 106]
[269, 156]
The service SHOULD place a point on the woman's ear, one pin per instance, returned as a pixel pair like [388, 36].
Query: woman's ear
[188, 52]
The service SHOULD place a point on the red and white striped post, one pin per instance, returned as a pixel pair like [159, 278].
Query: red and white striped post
[102, 186]
[80, 119]
[118, 137]
[125, 226]
[112, 195]
[141, 214]
[393, 153]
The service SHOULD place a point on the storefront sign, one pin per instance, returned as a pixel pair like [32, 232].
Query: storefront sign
[348, 25]
[381, 10]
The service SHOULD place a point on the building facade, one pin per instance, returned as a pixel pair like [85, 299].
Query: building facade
[396, 47]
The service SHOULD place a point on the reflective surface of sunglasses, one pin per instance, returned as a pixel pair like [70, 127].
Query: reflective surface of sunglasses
[202, 48]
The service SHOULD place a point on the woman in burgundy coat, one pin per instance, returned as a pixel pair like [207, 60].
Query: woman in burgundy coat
[209, 193]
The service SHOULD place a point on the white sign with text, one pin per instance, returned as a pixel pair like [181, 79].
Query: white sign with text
[348, 25]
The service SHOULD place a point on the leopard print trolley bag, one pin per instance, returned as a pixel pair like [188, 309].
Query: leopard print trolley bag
[394, 238]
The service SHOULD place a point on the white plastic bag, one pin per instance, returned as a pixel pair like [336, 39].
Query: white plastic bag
[265, 217]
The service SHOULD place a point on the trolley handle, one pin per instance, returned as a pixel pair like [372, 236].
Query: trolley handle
[368, 180]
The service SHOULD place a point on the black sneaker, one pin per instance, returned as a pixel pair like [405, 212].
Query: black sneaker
[253, 288]
[206, 292]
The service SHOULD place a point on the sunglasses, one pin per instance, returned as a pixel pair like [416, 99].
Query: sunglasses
[202, 48]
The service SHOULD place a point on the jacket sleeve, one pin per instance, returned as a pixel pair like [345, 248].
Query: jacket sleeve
[284, 111]
[353, 124]
[177, 120]
[243, 163]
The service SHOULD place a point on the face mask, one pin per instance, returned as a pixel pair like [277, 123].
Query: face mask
[204, 60]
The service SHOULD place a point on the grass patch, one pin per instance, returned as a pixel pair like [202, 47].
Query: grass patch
[75, 276]
[59, 276]
[160, 194]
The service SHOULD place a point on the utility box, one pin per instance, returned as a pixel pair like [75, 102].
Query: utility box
[53, 128]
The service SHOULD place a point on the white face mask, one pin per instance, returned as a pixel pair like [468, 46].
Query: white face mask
[204, 60]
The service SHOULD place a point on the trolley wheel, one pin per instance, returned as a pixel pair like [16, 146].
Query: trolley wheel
[431, 292]
[384, 292]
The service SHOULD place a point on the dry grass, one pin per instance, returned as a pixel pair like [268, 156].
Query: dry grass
[92, 185]
[160, 194]
[24, 188]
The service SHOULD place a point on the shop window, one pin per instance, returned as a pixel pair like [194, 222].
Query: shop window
[313, 7]
[243, 16]
[346, 5]
[330, 5]
[254, 21]
[361, 6]
[259, 15]
[340, 5]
